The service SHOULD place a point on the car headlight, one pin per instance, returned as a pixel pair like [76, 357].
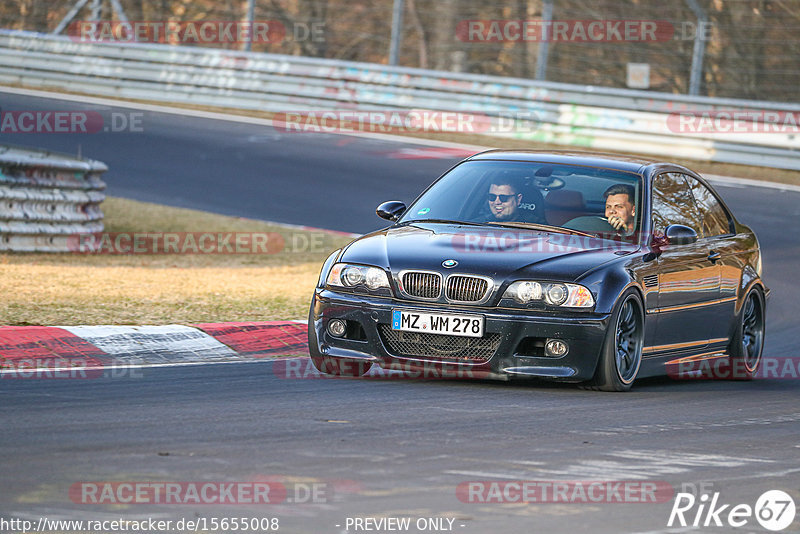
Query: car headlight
[354, 276]
[551, 293]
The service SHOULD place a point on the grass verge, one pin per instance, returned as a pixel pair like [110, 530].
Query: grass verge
[136, 289]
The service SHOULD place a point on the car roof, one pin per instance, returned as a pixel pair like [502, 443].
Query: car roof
[592, 159]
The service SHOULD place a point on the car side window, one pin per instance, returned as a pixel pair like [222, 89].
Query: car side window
[673, 203]
[715, 219]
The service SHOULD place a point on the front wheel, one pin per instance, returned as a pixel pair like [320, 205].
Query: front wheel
[622, 349]
[747, 345]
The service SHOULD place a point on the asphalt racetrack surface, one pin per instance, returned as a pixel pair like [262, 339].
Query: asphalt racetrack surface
[383, 447]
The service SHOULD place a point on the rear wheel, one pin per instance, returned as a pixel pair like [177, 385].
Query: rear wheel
[747, 345]
[327, 364]
[622, 349]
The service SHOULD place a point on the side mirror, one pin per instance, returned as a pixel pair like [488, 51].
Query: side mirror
[678, 234]
[391, 211]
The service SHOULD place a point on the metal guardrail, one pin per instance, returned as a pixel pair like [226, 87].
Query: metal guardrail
[45, 198]
[584, 116]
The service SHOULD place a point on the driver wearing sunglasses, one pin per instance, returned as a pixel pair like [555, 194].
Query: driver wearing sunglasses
[504, 201]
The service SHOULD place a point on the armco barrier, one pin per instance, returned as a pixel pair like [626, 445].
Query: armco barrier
[585, 116]
[46, 197]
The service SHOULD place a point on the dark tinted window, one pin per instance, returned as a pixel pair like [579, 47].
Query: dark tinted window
[715, 219]
[673, 203]
[552, 194]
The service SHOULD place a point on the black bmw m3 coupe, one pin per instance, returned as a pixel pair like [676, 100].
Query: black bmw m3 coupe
[587, 268]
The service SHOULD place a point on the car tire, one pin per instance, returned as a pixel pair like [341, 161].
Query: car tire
[332, 366]
[622, 349]
[747, 344]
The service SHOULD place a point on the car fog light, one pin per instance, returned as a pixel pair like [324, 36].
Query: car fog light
[337, 327]
[555, 347]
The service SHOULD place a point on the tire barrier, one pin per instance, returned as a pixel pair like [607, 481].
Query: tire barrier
[600, 118]
[45, 198]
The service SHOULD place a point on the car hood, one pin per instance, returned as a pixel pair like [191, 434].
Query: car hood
[489, 251]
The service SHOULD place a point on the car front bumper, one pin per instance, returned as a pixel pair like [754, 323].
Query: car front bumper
[583, 332]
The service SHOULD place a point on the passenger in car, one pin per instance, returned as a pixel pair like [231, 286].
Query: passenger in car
[621, 208]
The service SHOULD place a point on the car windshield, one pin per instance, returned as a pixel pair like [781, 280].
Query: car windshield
[533, 195]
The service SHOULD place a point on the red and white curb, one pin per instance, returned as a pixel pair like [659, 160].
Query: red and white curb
[28, 350]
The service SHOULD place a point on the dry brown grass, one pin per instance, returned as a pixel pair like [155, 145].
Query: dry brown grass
[71, 289]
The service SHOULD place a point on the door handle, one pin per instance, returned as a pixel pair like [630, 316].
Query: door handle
[714, 256]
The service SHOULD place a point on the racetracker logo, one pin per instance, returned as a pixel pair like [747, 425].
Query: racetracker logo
[69, 122]
[734, 121]
[505, 241]
[304, 368]
[178, 33]
[720, 367]
[78, 368]
[400, 122]
[564, 491]
[576, 31]
[204, 493]
[177, 243]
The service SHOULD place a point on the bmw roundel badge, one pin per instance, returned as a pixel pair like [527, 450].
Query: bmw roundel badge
[449, 264]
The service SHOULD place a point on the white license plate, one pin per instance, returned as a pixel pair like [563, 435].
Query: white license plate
[437, 323]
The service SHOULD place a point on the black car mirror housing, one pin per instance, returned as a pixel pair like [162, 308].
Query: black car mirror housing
[678, 234]
[391, 211]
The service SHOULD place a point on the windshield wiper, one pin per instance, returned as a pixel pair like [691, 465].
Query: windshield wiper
[537, 226]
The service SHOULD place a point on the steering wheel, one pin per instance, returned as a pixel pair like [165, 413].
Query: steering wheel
[590, 223]
[544, 180]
